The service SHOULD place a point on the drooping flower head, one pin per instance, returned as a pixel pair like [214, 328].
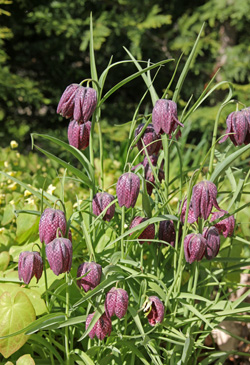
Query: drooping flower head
[148, 137]
[50, 221]
[148, 173]
[204, 199]
[102, 328]
[191, 216]
[164, 117]
[116, 302]
[212, 237]
[59, 254]
[154, 310]
[167, 232]
[194, 247]
[127, 189]
[225, 226]
[100, 202]
[93, 277]
[238, 124]
[148, 233]
[78, 103]
[29, 264]
[78, 134]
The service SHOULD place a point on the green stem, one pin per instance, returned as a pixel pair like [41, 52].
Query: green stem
[67, 352]
[122, 231]
[91, 159]
[101, 153]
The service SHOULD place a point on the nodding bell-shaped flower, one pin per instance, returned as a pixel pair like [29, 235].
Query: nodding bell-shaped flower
[59, 254]
[164, 117]
[78, 134]
[212, 237]
[203, 199]
[93, 277]
[127, 189]
[29, 264]
[100, 202]
[50, 221]
[148, 173]
[167, 232]
[225, 226]
[116, 302]
[102, 328]
[78, 103]
[148, 137]
[238, 123]
[154, 310]
[194, 247]
[148, 233]
[191, 216]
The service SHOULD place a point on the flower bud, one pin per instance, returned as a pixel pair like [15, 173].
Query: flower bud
[116, 302]
[78, 103]
[238, 124]
[50, 221]
[29, 264]
[225, 226]
[78, 134]
[164, 117]
[102, 328]
[194, 247]
[93, 277]
[203, 199]
[127, 189]
[191, 217]
[100, 202]
[59, 255]
[148, 137]
[148, 233]
[167, 232]
[154, 310]
[212, 237]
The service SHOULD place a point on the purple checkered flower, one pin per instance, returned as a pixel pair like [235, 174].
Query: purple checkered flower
[203, 199]
[167, 232]
[225, 226]
[127, 189]
[93, 277]
[212, 237]
[78, 134]
[100, 202]
[148, 137]
[164, 117]
[78, 103]
[238, 123]
[154, 310]
[194, 247]
[116, 302]
[59, 254]
[191, 216]
[148, 233]
[50, 221]
[102, 328]
[29, 264]
[148, 173]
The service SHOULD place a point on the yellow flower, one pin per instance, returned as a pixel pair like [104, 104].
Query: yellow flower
[12, 186]
[79, 202]
[51, 189]
[27, 193]
[18, 155]
[6, 164]
[13, 144]
[2, 229]
[11, 173]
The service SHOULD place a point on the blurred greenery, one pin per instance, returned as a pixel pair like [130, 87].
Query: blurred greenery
[44, 47]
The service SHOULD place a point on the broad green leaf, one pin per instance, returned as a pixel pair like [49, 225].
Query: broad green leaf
[16, 312]
[8, 214]
[4, 260]
[86, 359]
[25, 360]
[27, 224]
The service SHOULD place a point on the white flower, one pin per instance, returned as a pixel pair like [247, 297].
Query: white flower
[13, 144]
[51, 189]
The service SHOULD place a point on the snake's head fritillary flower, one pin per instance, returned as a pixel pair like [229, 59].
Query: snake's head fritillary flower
[164, 117]
[225, 226]
[29, 264]
[93, 277]
[116, 302]
[59, 254]
[191, 216]
[78, 103]
[102, 327]
[148, 137]
[154, 310]
[239, 125]
[148, 173]
[212, 237]
[127, 189]
[78, 134]
[148, 233]
[50, 221]
[100, 202]
[167, 232]
[204, 199]
[194, 247]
